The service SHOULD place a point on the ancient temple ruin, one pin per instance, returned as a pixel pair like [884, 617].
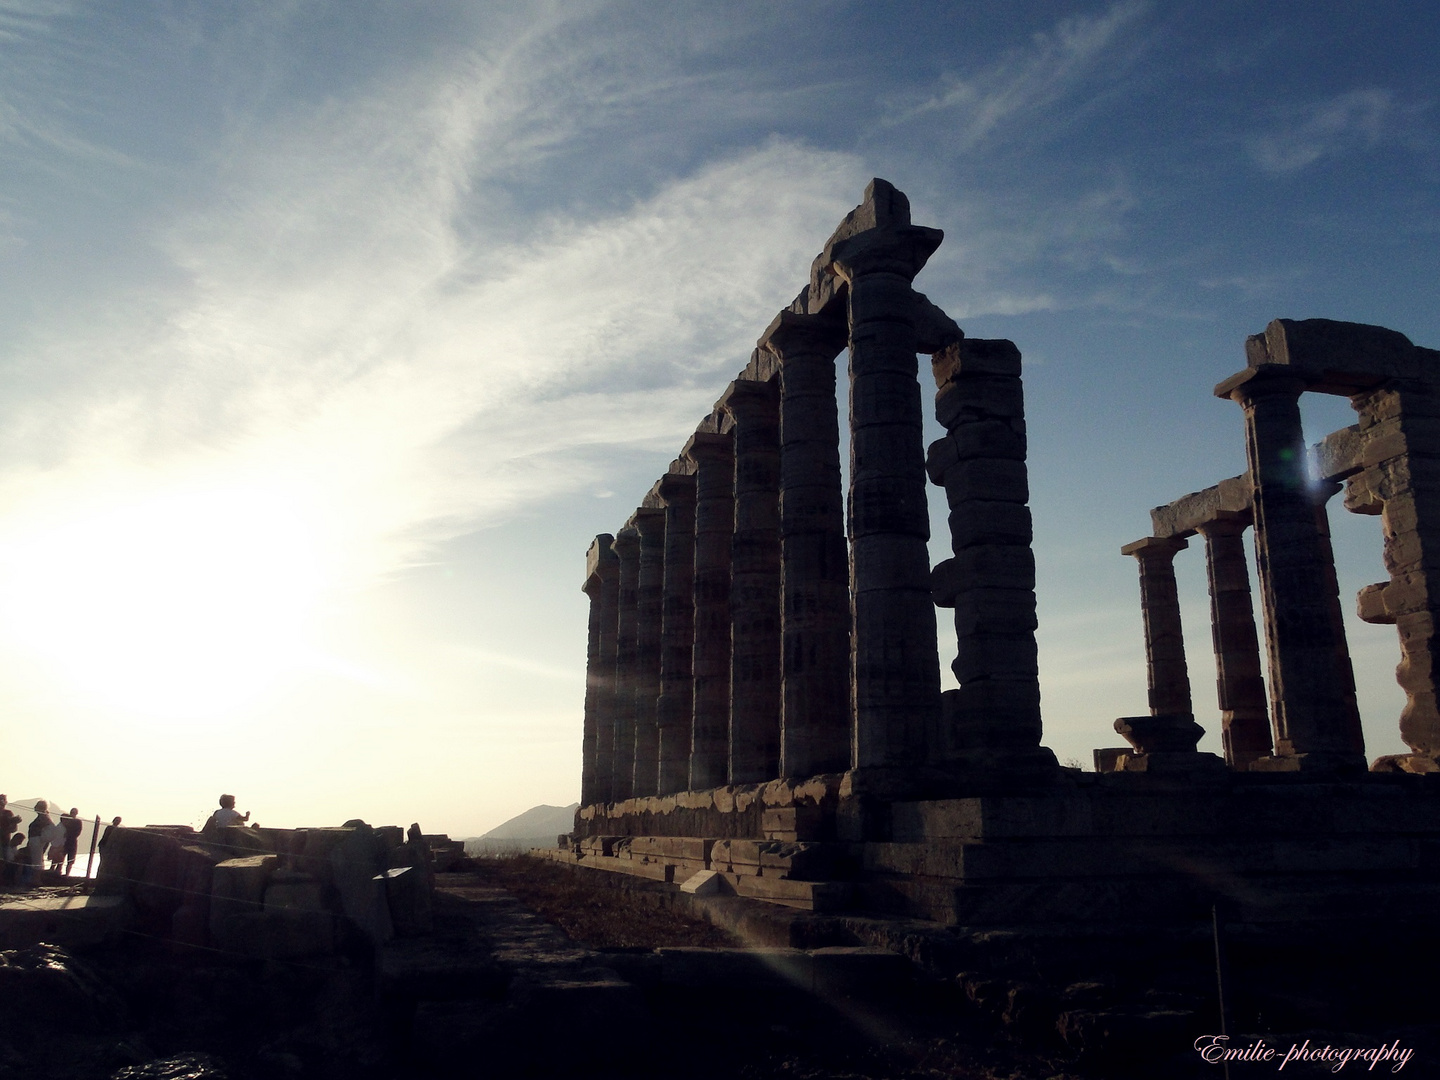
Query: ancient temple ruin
[763, 711]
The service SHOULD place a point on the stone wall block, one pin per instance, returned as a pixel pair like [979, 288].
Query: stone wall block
[974, 522]
[987, 480]
[1362, 492]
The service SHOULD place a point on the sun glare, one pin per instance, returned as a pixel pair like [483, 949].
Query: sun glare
[188, 604]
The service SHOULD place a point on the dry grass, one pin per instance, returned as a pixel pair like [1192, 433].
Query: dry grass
[594, 915]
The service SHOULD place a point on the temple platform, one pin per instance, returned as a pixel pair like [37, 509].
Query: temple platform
[1096, 848]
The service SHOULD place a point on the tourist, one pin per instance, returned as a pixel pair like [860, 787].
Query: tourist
[9, 821]
[72, 825]
[105, 837]
[13, 854]
[40, 825]
[226, 816]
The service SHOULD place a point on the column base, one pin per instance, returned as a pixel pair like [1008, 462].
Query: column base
[1172, 763]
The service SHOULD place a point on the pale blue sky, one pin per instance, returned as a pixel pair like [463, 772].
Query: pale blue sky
[331, 332]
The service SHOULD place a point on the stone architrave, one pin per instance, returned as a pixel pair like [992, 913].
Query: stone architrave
[602, 581]
[1167, 676]
[815, 559]
[755, 583]
[649, 606]
[1309, 710]
[1239, 681]
[895, 659]
[714, 457]
[673, 710]
[627, 551]
[993, 718]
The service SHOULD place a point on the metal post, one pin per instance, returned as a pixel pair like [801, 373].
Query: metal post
[94, 842]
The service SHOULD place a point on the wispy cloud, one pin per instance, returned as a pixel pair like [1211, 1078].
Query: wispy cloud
[1353, 120]
[1025, 81]
[362, 315]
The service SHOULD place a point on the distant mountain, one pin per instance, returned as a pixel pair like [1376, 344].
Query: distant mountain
[536, 827]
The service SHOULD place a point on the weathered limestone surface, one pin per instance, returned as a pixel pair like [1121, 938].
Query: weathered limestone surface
[895, 662]
[714, 456]
[677, 634]
[627, 551]
[993, 719]
[602, 585]
[755, 636]
[649, 606]
[815, 561]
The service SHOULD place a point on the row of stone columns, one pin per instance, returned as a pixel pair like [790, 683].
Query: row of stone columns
[761, 631]
[1312, 721]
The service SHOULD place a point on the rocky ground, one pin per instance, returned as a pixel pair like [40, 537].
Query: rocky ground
[533, 971]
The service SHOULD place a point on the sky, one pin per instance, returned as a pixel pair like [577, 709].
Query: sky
[332, 332]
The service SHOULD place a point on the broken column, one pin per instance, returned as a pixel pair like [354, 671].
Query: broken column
[994, 716]
[1240, 683]
[677, 632]
[1313, 729]
[602, 585]
[714, 457]
[649, 604]
[815, 559]
[755, 583]
[895, 660]
[627, 551]
[1400, 435]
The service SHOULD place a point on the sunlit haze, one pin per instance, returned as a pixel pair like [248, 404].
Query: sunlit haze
[331, 333]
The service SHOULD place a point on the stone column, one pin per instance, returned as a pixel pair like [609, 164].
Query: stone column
[649, 603]
[1167, 676]
[1322, 492]
[815, 560]
[993, 719]
[627, 551]
[602, 585]
[714, 458]
[895, 658]
[1307, 693]
[755, 583]
[677, 633]
[1240, 685]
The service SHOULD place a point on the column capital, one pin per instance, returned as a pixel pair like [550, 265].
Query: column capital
[1263, 380]
[600, 561]
[709, 446]
[1156, 548]
[1226, 523]
[649, 522]
[627, 542]
[903, 251]
[793, 334]
[676, 488]
[746, 399]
